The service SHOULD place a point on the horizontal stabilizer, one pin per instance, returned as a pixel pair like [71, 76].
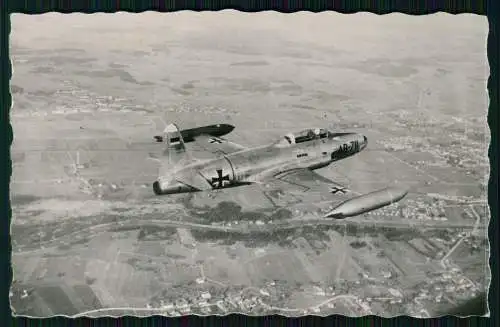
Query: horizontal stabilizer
[215, 145]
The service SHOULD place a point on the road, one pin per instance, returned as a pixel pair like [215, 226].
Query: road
[269, 307]
[336, 297]
[475, 227]
[266, 228]
[478, 219]
[372, 223]
[452, 250]
[126, 309]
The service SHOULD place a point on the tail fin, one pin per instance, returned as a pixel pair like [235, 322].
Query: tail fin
[173, 137]
[175, 152]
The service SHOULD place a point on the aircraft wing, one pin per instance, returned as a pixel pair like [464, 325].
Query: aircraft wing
[310, 180]
[317, 191]
[296, 186]
[214, 145]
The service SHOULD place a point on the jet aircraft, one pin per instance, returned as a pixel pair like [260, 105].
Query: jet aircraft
[232, 165]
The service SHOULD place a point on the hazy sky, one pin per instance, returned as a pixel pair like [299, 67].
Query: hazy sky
[232, 57]
[327, 29]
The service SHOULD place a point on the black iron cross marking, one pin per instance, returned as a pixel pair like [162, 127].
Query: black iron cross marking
[214, 140]
[337, 189]
[218, 181]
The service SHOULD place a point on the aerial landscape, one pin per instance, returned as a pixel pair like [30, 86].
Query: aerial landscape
[91, 92]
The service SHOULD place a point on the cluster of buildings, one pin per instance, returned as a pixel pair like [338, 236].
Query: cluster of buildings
[393, 210]
[206, 303]
[475, 243]
[236, 223]
[404, 143]
[394, 296]
[247, 300]
[463, 153]
[81, 100]
[183, 306]
[71, 99]
[445, 285]
[423, 210]
[439, 288]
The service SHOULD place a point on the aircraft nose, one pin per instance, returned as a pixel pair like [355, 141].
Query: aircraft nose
[229, 128]
[365, 142]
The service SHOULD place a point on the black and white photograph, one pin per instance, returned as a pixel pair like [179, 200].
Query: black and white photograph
[209, 163]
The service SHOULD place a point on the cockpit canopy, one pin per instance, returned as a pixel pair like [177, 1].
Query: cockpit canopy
[305, 135]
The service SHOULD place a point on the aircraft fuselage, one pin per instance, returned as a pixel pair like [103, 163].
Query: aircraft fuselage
[251, 165]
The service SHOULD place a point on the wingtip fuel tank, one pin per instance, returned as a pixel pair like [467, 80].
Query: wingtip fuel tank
[367, 202]
[216, 130]
[189, 135]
